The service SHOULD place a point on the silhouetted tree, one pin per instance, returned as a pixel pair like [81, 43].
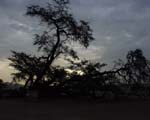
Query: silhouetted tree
[136, 69]
[91, 76]
[1, 86]
[1, 81]
[137, 66]
[27, 66]
[56, 76]
[62, 30]
[73, 86]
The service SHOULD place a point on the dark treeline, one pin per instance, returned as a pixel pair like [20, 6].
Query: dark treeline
[84, 78]
[131, 76]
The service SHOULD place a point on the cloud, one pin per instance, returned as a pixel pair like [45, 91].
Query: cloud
[118, 25]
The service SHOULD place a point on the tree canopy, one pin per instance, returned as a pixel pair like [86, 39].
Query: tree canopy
[61, 31]
[55, 41]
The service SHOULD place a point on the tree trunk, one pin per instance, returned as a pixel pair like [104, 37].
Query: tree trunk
[29, 80]
[50, 59]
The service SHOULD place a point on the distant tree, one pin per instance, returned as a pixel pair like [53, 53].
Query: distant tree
[1, 81]
[136, 69]
[1, 86]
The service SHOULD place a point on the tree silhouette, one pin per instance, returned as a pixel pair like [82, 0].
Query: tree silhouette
[136, 68]
[56, 41]
[62, 30]
[1, 86]
[92, 77]
[1, 81]
[27, 66]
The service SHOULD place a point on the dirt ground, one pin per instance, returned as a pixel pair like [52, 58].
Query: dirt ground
[73, 110]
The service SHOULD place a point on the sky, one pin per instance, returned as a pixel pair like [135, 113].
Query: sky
[118, 26]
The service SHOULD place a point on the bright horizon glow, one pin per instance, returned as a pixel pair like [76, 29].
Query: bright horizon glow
[71, 71]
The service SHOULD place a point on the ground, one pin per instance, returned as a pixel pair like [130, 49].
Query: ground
[20, 109]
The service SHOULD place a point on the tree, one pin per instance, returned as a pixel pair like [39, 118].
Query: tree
[92, 77]
[55, 41]
[137, 66]
[1, 81]
[27, 67]
[1, 86]
[136, 69]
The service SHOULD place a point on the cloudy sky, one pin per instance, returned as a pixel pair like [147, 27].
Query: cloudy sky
[118, 25]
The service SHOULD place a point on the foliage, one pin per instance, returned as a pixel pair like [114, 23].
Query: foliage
[62, 29]
[136, 70]
[27, 66]
[55, 41]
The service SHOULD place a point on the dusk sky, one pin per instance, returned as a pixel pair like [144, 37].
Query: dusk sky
[118, 25]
